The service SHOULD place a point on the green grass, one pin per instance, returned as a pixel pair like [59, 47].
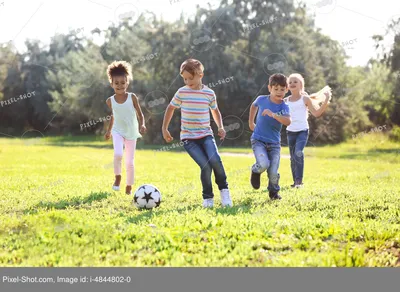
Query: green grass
[57, 209]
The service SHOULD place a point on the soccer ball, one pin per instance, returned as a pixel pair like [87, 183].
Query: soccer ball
[147, 197]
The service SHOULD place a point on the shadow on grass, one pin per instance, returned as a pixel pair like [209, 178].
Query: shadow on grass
[148, 214]
[64, 204]
[390, 150]
[155, 148]
[264, 191]
[92, 142]
[63, 144]
[372, 153]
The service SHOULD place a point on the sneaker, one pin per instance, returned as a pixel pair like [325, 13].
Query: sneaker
[208, 203]
[226, 198]
[293, 185]
[255, 180]
[117, 182]
[128, 190]
[298, 184]
[274, 196]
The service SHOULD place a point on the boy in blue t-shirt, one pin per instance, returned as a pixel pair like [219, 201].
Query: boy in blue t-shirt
[266, 139]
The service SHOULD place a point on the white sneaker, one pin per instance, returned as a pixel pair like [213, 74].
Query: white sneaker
[117, 182]
[208, 203]
[226, 198]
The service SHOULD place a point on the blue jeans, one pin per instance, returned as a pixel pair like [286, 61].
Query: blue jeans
[297, 141]
[205, 153]
[268, 157]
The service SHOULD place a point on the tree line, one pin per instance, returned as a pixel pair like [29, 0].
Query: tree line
[240, 43]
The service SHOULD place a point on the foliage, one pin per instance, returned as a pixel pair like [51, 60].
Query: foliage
[71, 84]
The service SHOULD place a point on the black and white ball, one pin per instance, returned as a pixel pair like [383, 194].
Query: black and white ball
[147, 197]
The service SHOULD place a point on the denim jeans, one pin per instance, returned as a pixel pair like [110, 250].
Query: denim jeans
[297, 141]
[268, 157]
[205, 153]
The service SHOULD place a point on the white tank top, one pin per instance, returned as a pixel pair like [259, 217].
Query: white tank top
[125, 120]
[298, 115]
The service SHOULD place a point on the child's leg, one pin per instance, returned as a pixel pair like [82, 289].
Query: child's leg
[200, 157]
[262, 162]
[291, 137]
[260, 153]
[118, 143]
[130, 147]
[215, 161]
[301, 142]
[274, 155]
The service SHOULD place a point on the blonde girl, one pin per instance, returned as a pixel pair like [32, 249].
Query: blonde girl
[300, 103]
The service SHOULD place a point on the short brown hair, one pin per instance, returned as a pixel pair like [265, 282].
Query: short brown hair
[278, 79]
[192, 66]
[119, 68]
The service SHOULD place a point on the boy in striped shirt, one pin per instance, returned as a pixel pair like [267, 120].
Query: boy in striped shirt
[195, 101]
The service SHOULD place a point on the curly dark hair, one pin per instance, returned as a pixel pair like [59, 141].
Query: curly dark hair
[119, 68]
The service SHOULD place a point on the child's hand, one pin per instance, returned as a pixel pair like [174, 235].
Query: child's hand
[167, 136]
[252, 126]
[328, 95]
[267, 112]
[142, 129]
[222, 133]
[107, 135]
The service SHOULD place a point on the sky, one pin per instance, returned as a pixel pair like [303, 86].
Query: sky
[351, 22]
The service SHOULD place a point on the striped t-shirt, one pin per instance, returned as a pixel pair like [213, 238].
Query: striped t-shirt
[195, 107]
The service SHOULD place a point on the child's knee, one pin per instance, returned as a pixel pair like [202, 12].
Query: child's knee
[260, 166]
[264, 164]
[215, 160]
[206, 168]
[274, 178]
[299, 153]
[118, 156]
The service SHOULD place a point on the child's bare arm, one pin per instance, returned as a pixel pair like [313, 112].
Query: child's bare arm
[168, 116]
[217, 117]
[317, 112]
[252, 115]
[110, 125]
[284, 120]
[167, 119]
[218, 120]
[139, 114]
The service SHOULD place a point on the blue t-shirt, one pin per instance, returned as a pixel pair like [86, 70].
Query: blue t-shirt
[268, 129]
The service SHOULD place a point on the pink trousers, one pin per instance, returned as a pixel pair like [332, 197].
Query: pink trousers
[130, 147]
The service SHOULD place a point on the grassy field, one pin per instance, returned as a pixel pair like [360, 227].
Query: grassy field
[57, 209]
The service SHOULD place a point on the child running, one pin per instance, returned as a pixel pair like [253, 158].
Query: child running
[124, 126]
[273, 112]
[195, 101]
[297, 132]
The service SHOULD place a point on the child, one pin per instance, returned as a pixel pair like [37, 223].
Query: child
[195, 101]
[297, 132]
[266, 139]
[124, 125]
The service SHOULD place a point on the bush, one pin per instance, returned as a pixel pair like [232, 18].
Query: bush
[395, 134]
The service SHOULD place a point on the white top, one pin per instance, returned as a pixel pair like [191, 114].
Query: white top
[125, 119]
[298, 115]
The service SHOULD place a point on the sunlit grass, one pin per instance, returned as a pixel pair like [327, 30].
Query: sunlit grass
[57, 209]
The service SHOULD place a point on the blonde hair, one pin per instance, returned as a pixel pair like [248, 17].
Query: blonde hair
[301, 79]
[316, 97]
